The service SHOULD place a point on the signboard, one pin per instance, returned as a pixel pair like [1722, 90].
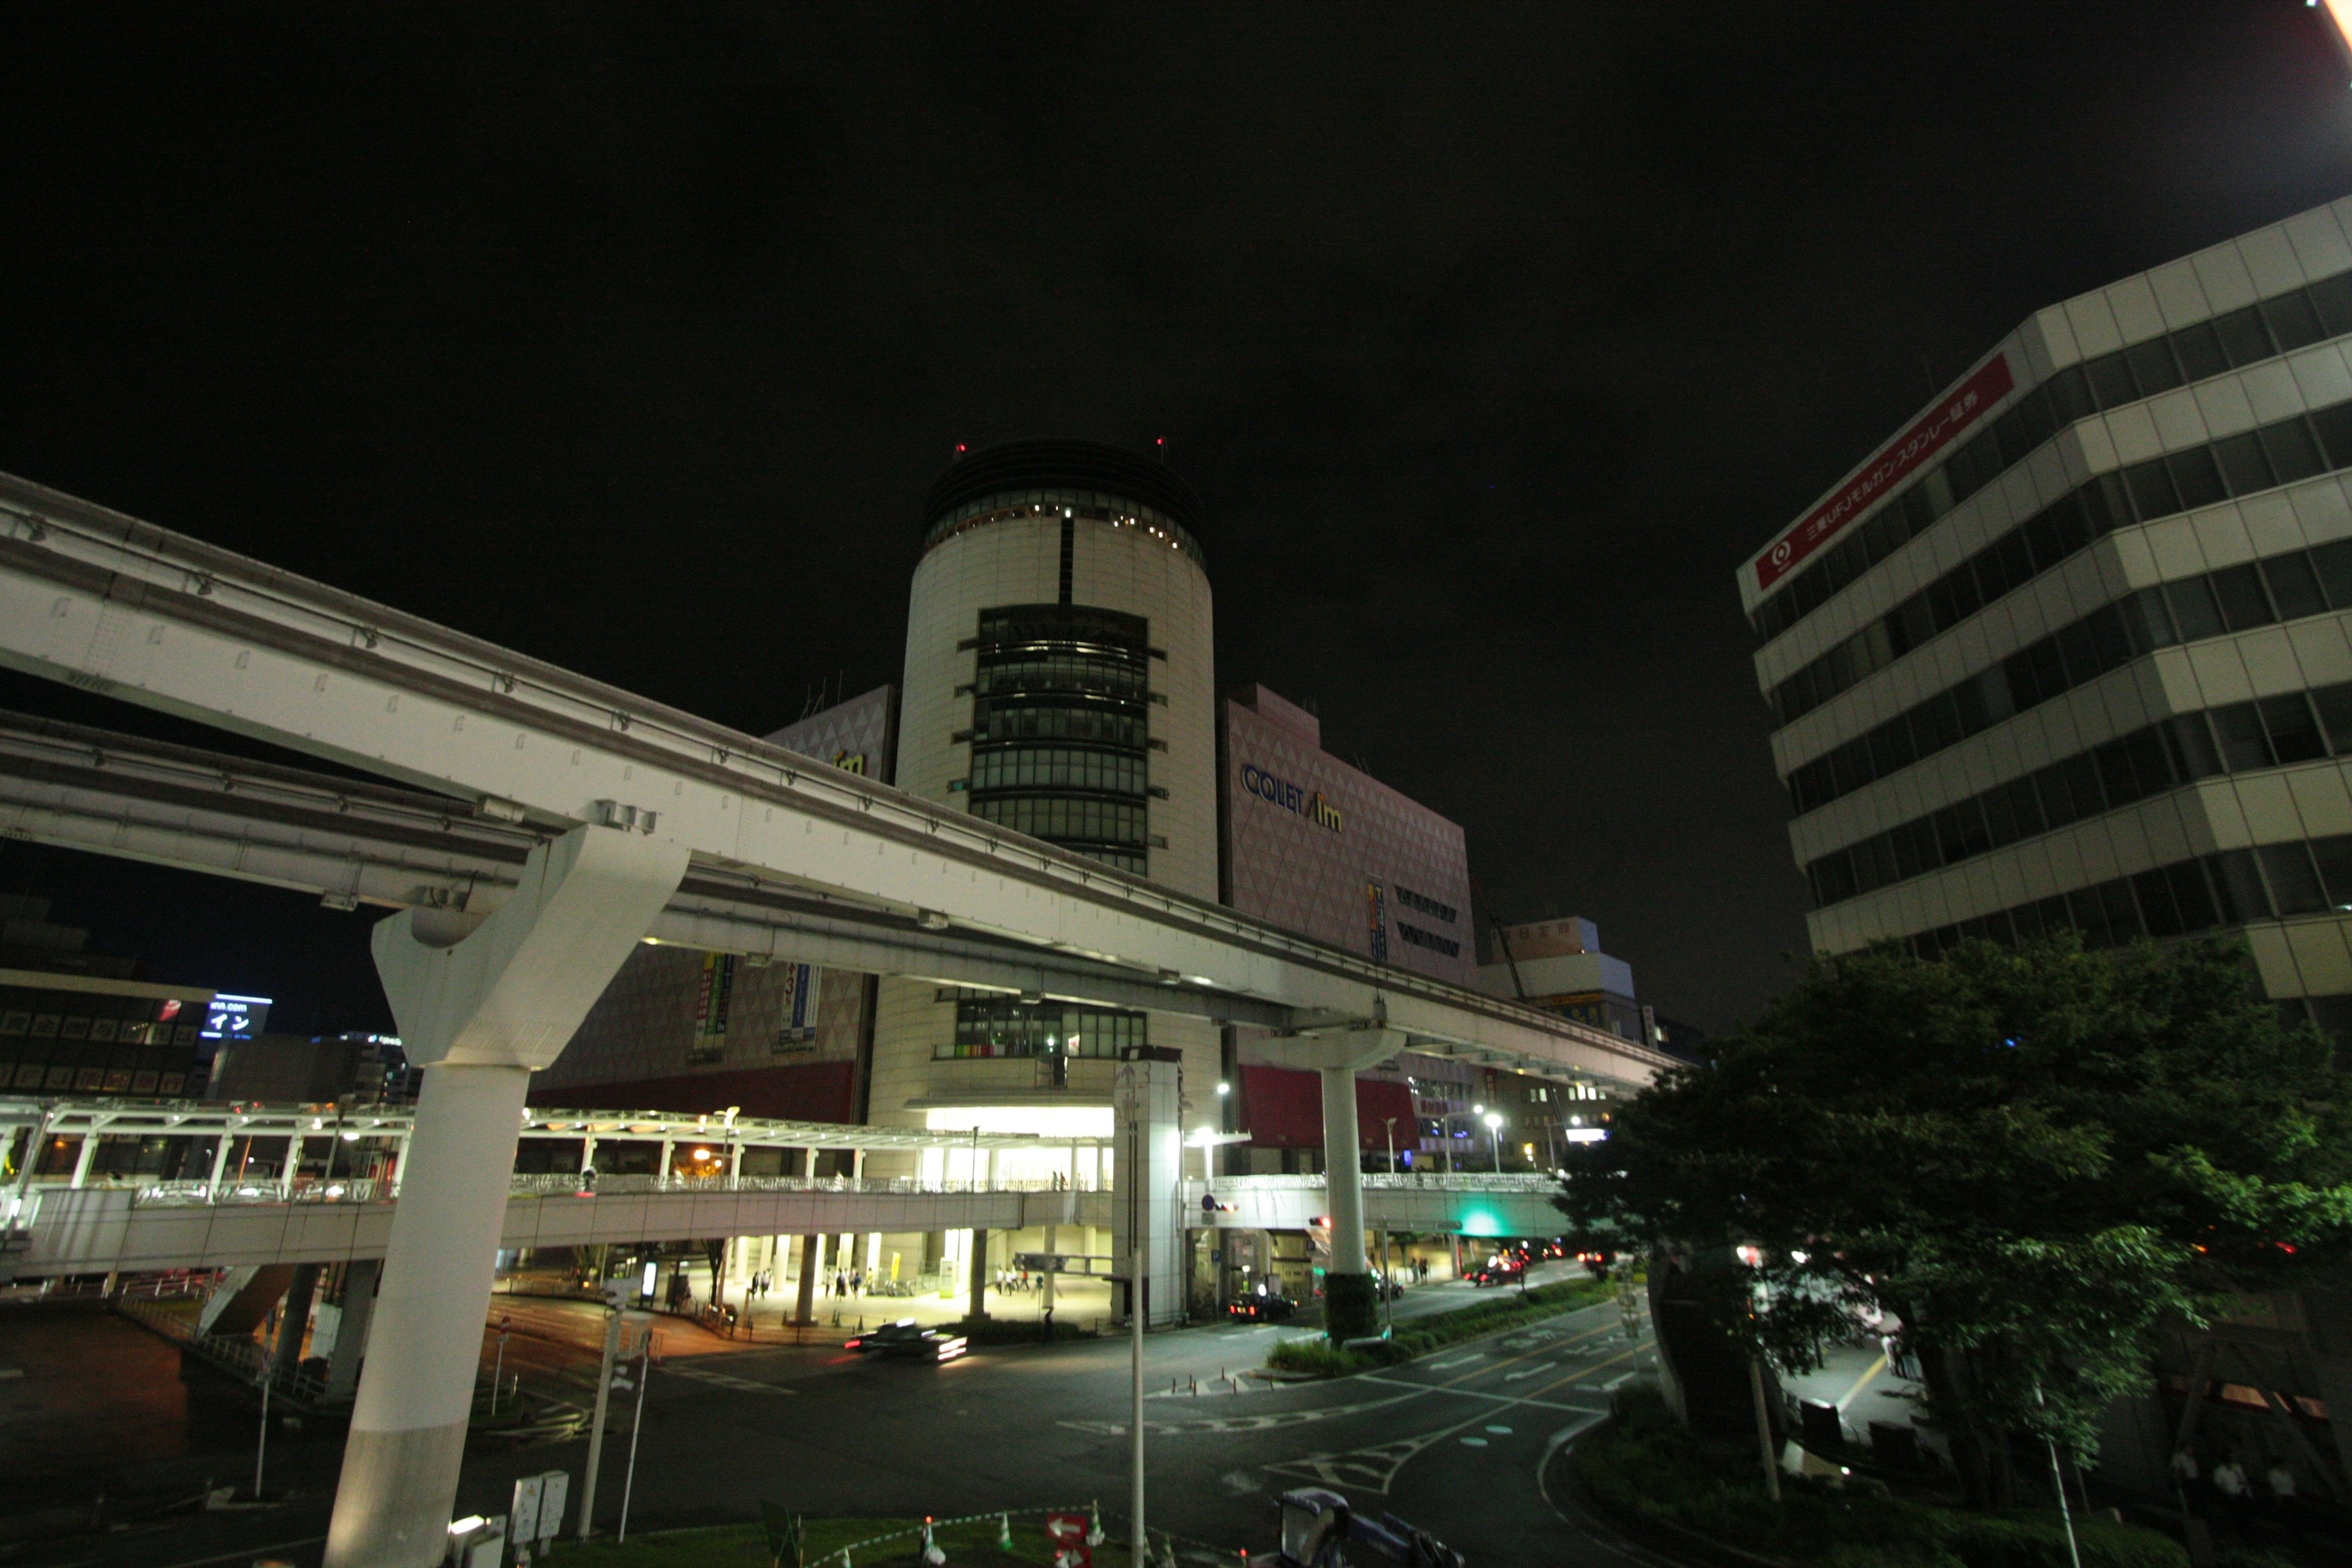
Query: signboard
[1067, 1531]
[1894, 462]
[522, 1515]
[796, 1028]
[555, 1491]
[235, 1019]
[712, 1000]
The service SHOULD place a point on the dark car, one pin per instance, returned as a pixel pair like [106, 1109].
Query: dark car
[1503, 1270]
[1260, 1307]
[908, 1341]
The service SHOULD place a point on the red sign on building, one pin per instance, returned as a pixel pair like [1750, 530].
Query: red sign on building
[1963, 408]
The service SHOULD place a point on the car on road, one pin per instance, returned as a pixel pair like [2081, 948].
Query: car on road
[1505, 1270]
[1261, 1307]
[908, 1340]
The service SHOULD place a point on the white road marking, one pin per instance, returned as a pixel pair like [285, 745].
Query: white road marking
[1474, 1442]
[1536, 1371]
[724, 1379]
[1500, 1431]
[1457, 1360]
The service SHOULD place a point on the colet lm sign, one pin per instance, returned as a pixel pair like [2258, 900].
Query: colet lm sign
[1289, 796]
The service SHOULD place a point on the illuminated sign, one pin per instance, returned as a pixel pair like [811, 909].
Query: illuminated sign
[850, 762]
[1290, 796]
[1966, 403]
[234, 1018]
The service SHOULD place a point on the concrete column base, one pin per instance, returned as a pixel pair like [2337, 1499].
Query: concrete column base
[392, 1508]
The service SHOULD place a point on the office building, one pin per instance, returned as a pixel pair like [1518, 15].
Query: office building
[2071, 648]
[76, 1023]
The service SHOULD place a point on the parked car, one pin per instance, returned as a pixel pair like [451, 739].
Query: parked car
[1261, 1307]
[908, 1341]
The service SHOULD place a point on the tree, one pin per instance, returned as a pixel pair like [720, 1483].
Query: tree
[2034, 1157]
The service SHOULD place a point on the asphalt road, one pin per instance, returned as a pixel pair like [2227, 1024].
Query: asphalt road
[1454, 1444]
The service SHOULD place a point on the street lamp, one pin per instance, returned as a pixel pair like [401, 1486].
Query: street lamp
[1494, 1132]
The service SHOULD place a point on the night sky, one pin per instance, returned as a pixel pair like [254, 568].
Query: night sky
[1495, 337]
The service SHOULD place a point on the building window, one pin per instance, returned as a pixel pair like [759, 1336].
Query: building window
[1426, 905]
[1431, 940]
[1061, 729]
[996, 1026]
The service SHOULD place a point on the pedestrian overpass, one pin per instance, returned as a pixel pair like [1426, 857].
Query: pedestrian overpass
[539, 826]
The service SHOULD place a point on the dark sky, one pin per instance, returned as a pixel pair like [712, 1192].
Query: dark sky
[1495, 336]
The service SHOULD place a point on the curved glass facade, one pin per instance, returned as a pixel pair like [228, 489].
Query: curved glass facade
[1061, 729]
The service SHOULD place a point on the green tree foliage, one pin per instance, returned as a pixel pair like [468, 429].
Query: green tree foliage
[2033, 1157]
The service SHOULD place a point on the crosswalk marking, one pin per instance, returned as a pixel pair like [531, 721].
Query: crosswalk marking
[725, 1379]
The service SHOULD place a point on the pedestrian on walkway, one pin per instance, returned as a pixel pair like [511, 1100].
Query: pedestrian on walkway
[2230, 1485]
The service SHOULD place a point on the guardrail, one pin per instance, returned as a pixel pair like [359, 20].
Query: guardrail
[1401, 1181]
[569, 1184]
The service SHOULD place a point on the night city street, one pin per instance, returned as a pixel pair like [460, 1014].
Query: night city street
[1424, 784]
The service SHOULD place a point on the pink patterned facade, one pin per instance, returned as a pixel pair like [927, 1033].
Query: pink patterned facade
[1332, 853]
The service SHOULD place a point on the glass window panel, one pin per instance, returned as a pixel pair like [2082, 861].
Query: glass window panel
[2193, 750]
[2294, 885]
[2195, 479]
[2294, 586]
[2243, 602]
[2123, 915]
[2332, 298]
[2070, 395]
[2152, 366]
[2293, 453]
[2201, 350]
[2293, 733]
[2243, 467]
[2333, 563]
[2150, 484]
[2334, 431]
[2151, 760]
[2147, 621]
[2081, 776]
[2245, 746]
[2243, 337]
[2293, 322]
[2118, 780]
[2335, 706]
[2189, 893]
[2156, 903]
[2239, 886]
[2334, 856]
[2111, 381]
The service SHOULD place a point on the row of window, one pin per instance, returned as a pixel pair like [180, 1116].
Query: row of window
[1058, 820]
[2243, 337]
[2291, 449]
[1101, 675]
[2276, 588]
[2242, 737]
[996, 722]
[1092, 505]
[1430, 939]
[1003, 1027]
[1117, 773]
[2273, 882]
[1427, 906]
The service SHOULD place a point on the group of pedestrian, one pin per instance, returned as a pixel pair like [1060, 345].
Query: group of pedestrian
[2227, 1490]
[1016, 1281]
[762, 1282]
[848, 1282]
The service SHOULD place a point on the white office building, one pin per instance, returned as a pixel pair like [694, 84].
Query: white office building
[2071, 648]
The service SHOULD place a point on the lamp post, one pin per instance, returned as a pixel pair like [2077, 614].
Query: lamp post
[1494, 1132]
[1389, 1123]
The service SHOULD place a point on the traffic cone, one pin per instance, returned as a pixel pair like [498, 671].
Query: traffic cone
[1004, 1532]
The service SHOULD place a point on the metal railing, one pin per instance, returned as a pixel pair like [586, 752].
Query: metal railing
[1404, 1181]
[569, 1184]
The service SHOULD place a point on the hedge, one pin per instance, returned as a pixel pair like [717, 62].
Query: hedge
[1422, 1335]
[1646, 1464]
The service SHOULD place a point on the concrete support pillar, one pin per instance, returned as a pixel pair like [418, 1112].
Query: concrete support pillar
[84, 1155]
[351, 1337]
[810, 1172]
[979, 1274]
[1150, 1155]
[661, 1165]
[220, 1161]
[286, 1168]
[805, 1309]
[1351, 1306]
[479, 1010]
[588, 1151]
[1343, 1168]
[293, 1322]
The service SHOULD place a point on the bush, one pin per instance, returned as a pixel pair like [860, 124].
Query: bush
[1423, 1335]
[1646, 1465]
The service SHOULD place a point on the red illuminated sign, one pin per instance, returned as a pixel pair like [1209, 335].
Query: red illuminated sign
[1963, 408]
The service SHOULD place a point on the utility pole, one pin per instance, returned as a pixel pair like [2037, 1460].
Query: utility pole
[604, 1400]
[1139, 1541]
[629, 1480]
